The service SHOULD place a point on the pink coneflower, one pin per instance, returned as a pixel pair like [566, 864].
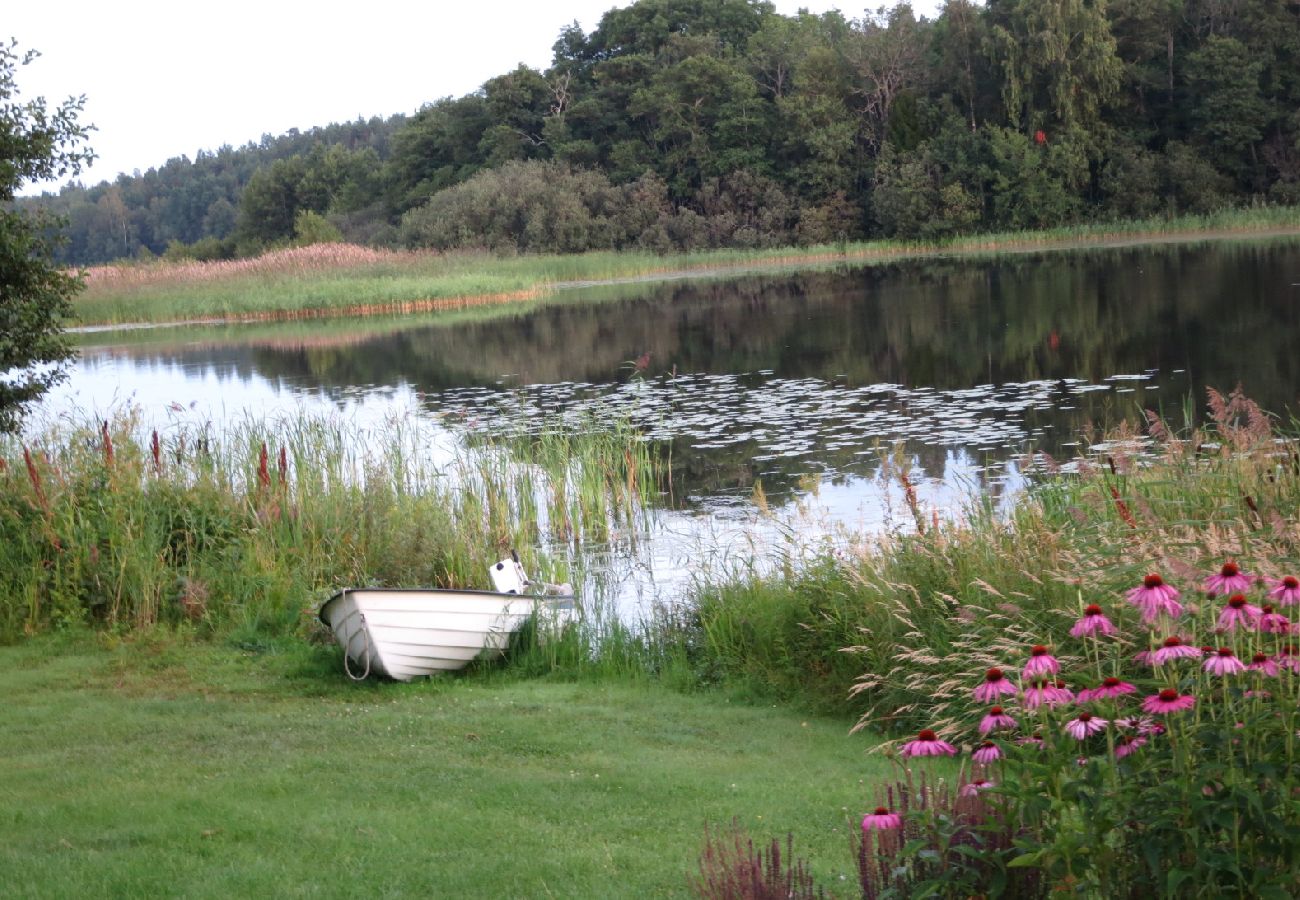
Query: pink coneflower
[972, 788]
[986, 753]
[881, 820]
[1271, 622]
[1046, 693]
[1224, 662]
[1286, 591]
[1288, 657]
[1084, 725]
[1140, 724]
[1154, 597]
[927, 743]
[995, 685]
[1264, 664]
[1040, 663]
[996, 719]
[1127, 744]
[1230, 580]
[1239, 613]
[1093, 622]
[1167, 701]
[1034, 739]
[1110, 687]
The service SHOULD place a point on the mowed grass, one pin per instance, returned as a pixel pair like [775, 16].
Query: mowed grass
[172, 768]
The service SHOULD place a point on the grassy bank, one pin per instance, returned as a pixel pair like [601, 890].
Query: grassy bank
[897, 628]
[349, 280]
[160, 767]
[246, 531]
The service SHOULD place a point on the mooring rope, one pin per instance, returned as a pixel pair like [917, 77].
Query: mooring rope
[365, 634]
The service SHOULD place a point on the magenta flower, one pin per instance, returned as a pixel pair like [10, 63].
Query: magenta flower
[1140, 724]
[1264, 664]
[1239, 613]
[1286, 591]
[1110, 687]
[1224, 662]
[1172, 648]
[881, 820]
[1127, 744]
[996, 719]
[994, 686]
[1083, 725]
[1271, 622]
[1230, 580]
[1046, 693]
[1154, 597]
[1289, 657]
[1167, 701]
[1040, 663]
[1093, 622]
[972, 788]
[1034, 739]
[986, 753]
[927, 743]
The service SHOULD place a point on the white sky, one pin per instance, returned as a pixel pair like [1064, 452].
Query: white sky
[164, 79]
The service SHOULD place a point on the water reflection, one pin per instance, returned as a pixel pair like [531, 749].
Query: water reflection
[798, 383]
[777, 377]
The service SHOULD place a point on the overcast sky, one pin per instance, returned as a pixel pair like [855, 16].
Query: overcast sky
[163, 79]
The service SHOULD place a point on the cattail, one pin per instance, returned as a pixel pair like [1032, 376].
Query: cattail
[155, 449]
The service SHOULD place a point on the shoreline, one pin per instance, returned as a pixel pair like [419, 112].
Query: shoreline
[971, 247]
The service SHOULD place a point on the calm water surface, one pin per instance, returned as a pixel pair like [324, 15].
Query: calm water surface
[798, 385]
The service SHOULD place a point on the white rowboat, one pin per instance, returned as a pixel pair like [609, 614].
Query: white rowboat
[405, 633]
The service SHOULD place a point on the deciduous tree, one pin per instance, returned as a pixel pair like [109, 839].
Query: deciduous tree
[37, 142]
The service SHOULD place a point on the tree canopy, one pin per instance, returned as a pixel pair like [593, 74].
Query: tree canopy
[1005, 114]
[36, 142]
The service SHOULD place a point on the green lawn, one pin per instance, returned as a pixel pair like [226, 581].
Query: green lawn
[172, 768]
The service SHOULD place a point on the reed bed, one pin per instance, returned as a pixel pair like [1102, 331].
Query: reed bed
[342, 279]
[245, 531]
[895, 628]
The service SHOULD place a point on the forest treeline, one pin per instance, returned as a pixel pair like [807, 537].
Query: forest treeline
[684, 124]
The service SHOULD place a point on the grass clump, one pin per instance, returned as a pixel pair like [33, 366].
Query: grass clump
[247, 531]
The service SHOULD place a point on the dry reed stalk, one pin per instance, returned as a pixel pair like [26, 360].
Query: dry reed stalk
[107, 443]
[290, 261]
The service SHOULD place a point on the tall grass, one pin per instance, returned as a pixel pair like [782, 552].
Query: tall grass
[339, 279]
[897, 628]
[246, 531]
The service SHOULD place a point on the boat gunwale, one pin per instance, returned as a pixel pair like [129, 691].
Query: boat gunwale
[427, 590]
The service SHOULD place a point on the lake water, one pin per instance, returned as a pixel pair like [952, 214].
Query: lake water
[793, 387]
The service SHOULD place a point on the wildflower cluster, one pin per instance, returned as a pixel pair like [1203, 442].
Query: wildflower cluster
[1138, 770]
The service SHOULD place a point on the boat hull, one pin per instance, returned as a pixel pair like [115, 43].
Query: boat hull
[406, 634]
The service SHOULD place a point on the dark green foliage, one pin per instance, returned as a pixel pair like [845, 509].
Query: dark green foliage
[35, 297]
[1010, 114]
